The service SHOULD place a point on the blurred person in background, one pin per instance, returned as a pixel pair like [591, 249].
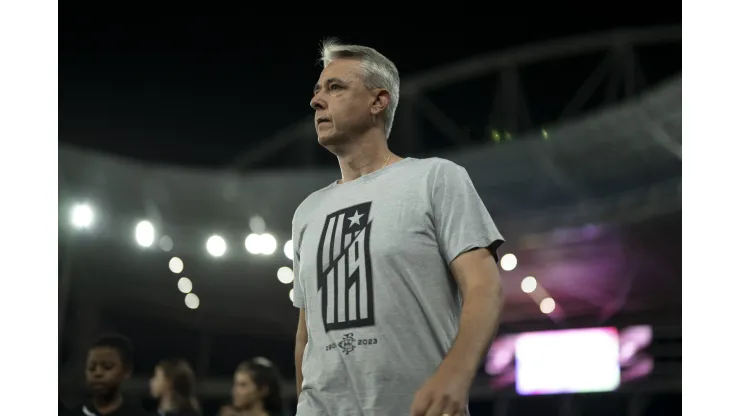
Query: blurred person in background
[173, 385]
[256, 390]
[109, 363]
[395, 263]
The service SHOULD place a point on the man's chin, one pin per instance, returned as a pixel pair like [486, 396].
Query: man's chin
[99, 389]
[329, 140]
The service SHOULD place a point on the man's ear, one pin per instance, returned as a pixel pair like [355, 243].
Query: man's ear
[381, 102]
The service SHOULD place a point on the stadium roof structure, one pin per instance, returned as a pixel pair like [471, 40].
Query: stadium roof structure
[590, 205]
[612, 170]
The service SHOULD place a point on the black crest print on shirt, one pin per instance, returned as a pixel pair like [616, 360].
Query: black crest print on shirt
[344, 269]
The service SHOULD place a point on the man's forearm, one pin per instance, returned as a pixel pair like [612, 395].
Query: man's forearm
[479, 320]
[299, 348]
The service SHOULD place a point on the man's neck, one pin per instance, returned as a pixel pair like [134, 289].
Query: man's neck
[363, 155]
[107, 403]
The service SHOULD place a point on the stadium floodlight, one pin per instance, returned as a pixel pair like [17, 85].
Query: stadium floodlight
[547, 305]
[260, 244]
[185, 285]
[176, 265]
[508, 262]
[82, 216]
[288, 249]
[529, 284]
[252, 243]
[192, 301]
[285, 275]
[216, 246]
[268, 244]
[145, 233]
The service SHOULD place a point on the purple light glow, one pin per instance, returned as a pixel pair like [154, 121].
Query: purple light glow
[630, 356]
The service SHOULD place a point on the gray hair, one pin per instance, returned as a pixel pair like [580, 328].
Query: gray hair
[380, 72]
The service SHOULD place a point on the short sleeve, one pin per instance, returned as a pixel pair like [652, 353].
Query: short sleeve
[299, 300]
[462, 223]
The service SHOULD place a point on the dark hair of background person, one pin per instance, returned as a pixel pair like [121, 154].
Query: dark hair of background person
[265, 375]
[182, 380]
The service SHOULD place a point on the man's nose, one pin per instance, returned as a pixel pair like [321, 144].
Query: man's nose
[317, 103]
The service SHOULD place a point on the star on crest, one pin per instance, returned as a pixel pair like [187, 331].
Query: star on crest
[355, 219]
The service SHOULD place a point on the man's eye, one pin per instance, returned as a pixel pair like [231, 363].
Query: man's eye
[334, 87]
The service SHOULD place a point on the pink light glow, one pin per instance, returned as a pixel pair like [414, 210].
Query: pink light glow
[571, 361]
[503, 364]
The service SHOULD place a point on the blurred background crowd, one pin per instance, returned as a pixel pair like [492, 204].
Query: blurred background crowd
[186, 145]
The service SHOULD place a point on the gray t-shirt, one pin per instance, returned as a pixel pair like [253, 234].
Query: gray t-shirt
[371, 271]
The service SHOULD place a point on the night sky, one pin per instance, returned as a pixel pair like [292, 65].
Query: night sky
[197, 91]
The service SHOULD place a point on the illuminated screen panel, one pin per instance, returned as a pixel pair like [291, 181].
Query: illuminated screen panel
[571, 361]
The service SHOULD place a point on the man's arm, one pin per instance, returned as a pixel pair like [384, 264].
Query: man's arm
[468, 240]
[301, 338]
[446, 392]
[479, 282]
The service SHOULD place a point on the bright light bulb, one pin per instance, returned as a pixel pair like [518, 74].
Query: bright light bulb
[176, 265]
[192, 301]
[288, 249]
[285, 275]
[216, 246]
[268, 244]
[547, 305]
[253, 243]
[529, 284]
[184, 285]
[508, 262]
[82, 216]
[260, 244]
[145, 233]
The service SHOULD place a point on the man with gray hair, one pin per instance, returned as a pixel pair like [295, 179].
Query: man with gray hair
[395, 263]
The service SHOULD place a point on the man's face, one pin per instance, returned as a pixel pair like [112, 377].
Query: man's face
[342, 103]
[105, 371]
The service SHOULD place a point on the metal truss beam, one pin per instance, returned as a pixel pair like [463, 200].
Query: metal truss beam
[588, 88]
[577, 45]
[278, 141]
[507, 61]
[661, 137]
[443, 123]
